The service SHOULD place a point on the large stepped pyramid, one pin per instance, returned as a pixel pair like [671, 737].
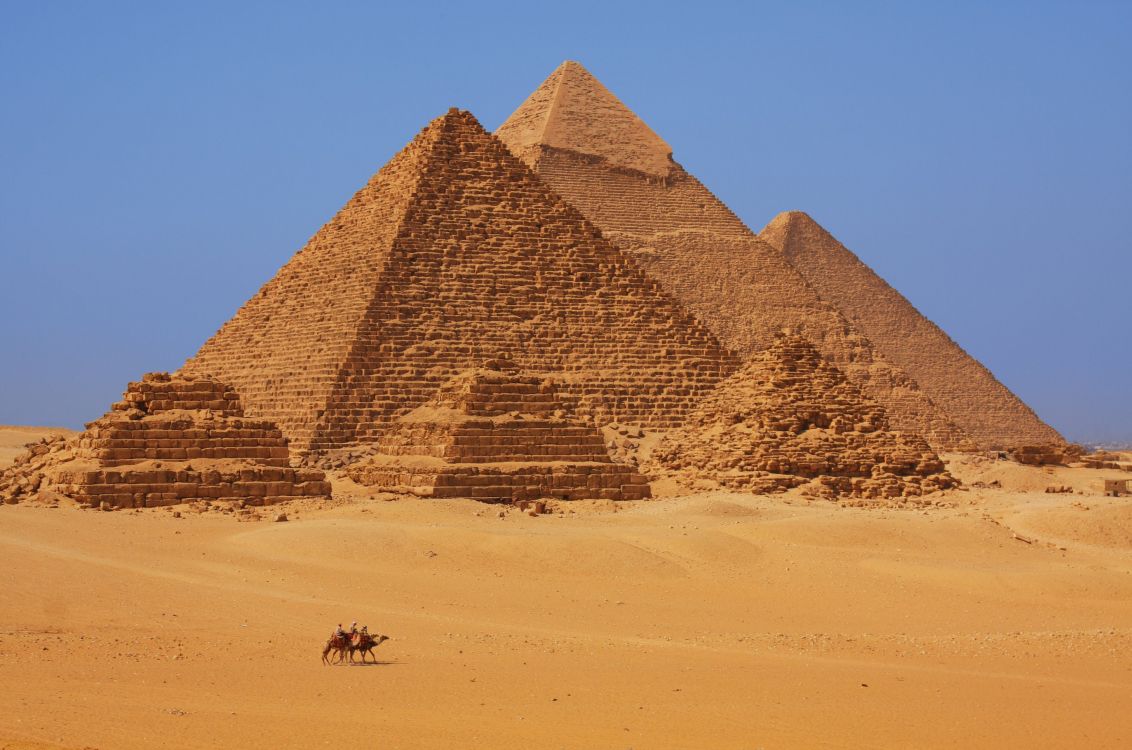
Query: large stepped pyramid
[789, 418]
[970, 394]
[595, 152]
[453, 253]
[493, 433]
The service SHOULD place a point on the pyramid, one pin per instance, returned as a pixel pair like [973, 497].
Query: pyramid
[789, 418]
[492, 433]
[742, 287]
[170, 440]
[455, 252]
[970, 394]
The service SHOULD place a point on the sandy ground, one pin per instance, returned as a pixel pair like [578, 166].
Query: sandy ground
[710, 621]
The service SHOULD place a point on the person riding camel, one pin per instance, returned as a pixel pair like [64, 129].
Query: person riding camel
[353, 630]
[340, 633]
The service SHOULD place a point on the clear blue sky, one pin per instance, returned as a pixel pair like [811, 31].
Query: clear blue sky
[161, 160]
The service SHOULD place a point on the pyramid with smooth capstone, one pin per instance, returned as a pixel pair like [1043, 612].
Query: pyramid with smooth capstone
[591, 149]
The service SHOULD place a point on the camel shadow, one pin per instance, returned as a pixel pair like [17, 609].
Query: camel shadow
[370, 664]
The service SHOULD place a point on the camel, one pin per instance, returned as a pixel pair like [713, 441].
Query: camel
[340, 644]
[366, 644]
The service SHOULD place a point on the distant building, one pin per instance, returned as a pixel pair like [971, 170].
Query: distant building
[1116, 487]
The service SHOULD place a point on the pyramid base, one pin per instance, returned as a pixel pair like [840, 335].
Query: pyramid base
[145, 487]
[504, 482]
[881, 486]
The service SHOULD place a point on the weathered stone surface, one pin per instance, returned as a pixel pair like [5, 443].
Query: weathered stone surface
[789, 418]
[453, 253]
[493, 433]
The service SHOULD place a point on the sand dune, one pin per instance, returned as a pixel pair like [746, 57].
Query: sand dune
[716, 620]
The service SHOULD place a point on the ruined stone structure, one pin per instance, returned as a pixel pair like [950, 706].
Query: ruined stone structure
[494, 434]
[452, 253]
[1050, 454]
[1116, 487]
[602, 158]
[170, 440]
[789, 418]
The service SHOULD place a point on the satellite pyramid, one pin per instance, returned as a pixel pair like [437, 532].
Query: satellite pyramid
[169, 440]
[492, 433]
[966, 390]
[789, 418]
[602, 158]
[453, 253]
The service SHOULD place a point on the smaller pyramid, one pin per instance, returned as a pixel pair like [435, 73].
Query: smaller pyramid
[169, 440]
[494, 434]
[962, 387]
[789, 418]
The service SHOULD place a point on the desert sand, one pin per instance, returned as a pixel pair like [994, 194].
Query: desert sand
[717, 620]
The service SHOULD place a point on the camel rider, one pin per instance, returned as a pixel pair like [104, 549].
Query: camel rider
[340, 633]
[353, 630]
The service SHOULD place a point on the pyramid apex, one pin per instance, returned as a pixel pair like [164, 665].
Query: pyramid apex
[461, 115]
[780, 232]
[454, 126]
[786, 218]
[572, 111]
